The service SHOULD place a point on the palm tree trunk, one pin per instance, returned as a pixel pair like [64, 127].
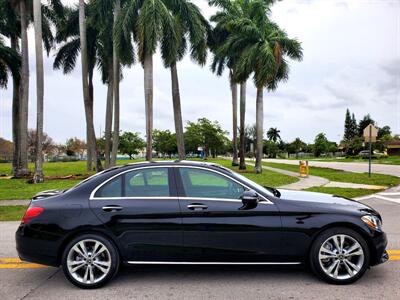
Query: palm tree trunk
[109, 114]
[37, 18]
[176, 100]
[259, 130]
[16, 117]
[90, 134]
[115, 142]
[148, 97]
[234, 123]
[23, 109]
[242, 141]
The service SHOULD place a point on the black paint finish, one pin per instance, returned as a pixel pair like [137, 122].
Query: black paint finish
[166, 229]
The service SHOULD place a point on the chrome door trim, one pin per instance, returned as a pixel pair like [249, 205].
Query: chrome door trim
[209, 263]
[92, 197]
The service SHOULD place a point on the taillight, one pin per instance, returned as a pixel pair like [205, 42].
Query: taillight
[31, 212]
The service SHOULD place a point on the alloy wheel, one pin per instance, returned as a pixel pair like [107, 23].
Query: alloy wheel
[89, 261]
[341, 256]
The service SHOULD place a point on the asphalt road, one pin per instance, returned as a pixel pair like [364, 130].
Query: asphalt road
[357, 167]
[206, 282]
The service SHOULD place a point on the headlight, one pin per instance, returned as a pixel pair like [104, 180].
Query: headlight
[372, 221]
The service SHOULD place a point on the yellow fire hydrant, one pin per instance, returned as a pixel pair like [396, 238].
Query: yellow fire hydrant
[303, 168]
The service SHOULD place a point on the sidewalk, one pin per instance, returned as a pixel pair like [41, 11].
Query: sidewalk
[316, 181]
[14, 202]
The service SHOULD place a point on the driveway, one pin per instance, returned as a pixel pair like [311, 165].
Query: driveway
[357, 167]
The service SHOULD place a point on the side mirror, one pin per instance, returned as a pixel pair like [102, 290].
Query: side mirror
[249, 199]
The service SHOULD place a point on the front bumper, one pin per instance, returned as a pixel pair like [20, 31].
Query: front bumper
[379, 241]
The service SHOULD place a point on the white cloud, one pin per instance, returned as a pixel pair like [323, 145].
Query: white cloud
[350, 60]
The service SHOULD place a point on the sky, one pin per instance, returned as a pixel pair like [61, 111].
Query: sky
[351, 60]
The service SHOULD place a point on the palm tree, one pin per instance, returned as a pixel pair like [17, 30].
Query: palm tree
[24, 92]
[150, 23]
[37, 12]
[273, 134]
[10, 61]
[223, 57]
[190, 26]
[116, 76]
[100, 52]
[263, 47]
[88, 103]
[10, 28]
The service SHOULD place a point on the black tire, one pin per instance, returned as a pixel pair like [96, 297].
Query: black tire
[112, 254]
[325, 235]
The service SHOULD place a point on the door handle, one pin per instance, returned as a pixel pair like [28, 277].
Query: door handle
[110, 208]
[197, 206]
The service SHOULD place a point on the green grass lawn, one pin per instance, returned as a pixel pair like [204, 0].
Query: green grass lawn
[60, 168]
[267, 178]
[11, 189]
[392, 160]
[342, 176]
[343, 192]
[12, 213]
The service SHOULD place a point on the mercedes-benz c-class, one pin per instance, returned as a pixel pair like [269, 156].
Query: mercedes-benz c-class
[195, 213]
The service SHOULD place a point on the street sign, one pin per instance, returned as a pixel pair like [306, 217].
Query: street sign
[370, 132]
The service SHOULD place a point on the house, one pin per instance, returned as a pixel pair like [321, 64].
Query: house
[393, 148]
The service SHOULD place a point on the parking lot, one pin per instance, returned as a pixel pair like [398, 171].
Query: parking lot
[29, 281]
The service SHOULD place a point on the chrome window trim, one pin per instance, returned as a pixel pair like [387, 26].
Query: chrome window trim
[209, 263]
[92, 197]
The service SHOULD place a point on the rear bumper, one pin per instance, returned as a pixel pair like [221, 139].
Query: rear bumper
[36, 250]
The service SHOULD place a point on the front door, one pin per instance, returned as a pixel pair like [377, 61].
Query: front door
[217, 227]
[141, 209]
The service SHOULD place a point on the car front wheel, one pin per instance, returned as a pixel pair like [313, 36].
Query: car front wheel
[339, 255]
[90, 261]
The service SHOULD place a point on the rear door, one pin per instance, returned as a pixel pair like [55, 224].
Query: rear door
[217, 228]
[141, 209]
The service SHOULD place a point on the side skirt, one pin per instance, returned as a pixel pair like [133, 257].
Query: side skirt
[208, 263]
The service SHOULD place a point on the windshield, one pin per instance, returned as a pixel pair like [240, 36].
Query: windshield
[253, 184]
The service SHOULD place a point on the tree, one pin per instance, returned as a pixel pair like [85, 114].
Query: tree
[364, 122]
[273, 134]
[384, 131]
[229, 12]
[348, 127]
[37, 11]
[48, 145]
[296, 146]
[164, 142]
[88, 102]
[206, 134]
[131, 143]
[116, 76]
[263, 48]
[10, 61]
[24, 93]
[271, 148]
[190, 27]
[321, 144]
[75, 146]
[354, 126]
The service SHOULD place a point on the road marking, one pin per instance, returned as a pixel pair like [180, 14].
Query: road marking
[21, 266]
[378, 196]
[397, 252]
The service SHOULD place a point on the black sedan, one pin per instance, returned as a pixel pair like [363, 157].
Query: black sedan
[195, 213]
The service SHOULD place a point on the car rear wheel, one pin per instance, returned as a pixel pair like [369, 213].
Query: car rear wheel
[90, 261]
[339, 255]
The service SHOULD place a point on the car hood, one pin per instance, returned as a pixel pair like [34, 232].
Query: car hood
[320, 200]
